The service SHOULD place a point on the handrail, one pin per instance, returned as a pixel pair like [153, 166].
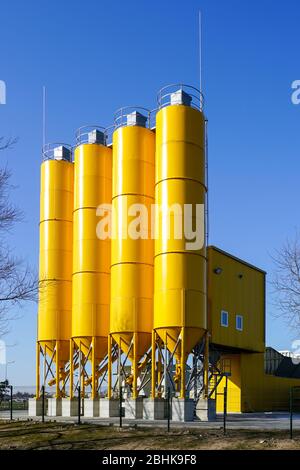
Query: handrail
[82, 133]
[152, 118]
[48, 150]
[164, 95]
[120, 117]
[109, 134]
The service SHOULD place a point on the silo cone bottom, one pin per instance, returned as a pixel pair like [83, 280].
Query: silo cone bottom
[35, 407]
[54, 407]
[91, 407]
[69, 407]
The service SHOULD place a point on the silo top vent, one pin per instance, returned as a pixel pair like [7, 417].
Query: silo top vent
[91, 134]
[62, 153]
[181, 97]
[132, 116]
[180, 94]
[57, 151]
[96, 137]
[136, 119]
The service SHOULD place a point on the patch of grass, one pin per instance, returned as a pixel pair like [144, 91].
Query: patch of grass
[53, 435]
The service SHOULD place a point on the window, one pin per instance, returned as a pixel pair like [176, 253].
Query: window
[239, 322]
[224, 318]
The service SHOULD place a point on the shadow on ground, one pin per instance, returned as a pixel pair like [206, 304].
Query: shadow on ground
[52, 435]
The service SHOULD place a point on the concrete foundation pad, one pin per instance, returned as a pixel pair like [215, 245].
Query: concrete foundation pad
[133, 408]
[69, 407]
[91, 407]
[206, 410]
[35, 407]
[54, 407]
[182, 409]
[154, 409]
[109, 408]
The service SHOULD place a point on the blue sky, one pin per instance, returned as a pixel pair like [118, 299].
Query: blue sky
[95, 56]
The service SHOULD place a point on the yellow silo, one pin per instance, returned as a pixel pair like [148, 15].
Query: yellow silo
[55, 267]
[91, 256]
[180, 263]
[131, 312]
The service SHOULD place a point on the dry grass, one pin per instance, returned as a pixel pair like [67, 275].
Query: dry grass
[39, 436]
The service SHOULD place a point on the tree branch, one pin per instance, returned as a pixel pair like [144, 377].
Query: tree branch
[18, 284]
[286, 281]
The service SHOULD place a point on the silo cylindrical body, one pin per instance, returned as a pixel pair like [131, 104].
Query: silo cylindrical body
[91, 251]
[131, 313]
[55, 265]
[180, 269]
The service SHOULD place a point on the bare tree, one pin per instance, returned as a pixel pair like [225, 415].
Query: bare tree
[7, 143]
[286, 281]
[17, 282]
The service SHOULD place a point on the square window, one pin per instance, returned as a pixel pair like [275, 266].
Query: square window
[239, 322]
[224, 318]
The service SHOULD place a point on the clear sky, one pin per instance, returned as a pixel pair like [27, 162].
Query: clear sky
[95, 56]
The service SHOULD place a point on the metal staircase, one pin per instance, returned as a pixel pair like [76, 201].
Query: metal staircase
[218, 369]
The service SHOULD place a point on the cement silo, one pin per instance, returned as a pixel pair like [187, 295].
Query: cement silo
[91, 258]
[180, 262]
[55, 268]
[131, 313]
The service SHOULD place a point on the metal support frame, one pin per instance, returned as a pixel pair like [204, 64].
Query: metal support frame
[203, 377]
[71, 369]
[195, 381]
[95, 378]
[165, 364]
[109, 369]
[206, 366]
[127, 379]
[164, 374]
[38, 371]
[157, 365]
[53, 370]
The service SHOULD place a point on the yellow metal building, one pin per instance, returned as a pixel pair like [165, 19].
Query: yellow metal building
[236, 292]
[251, 389]
[236, 317]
